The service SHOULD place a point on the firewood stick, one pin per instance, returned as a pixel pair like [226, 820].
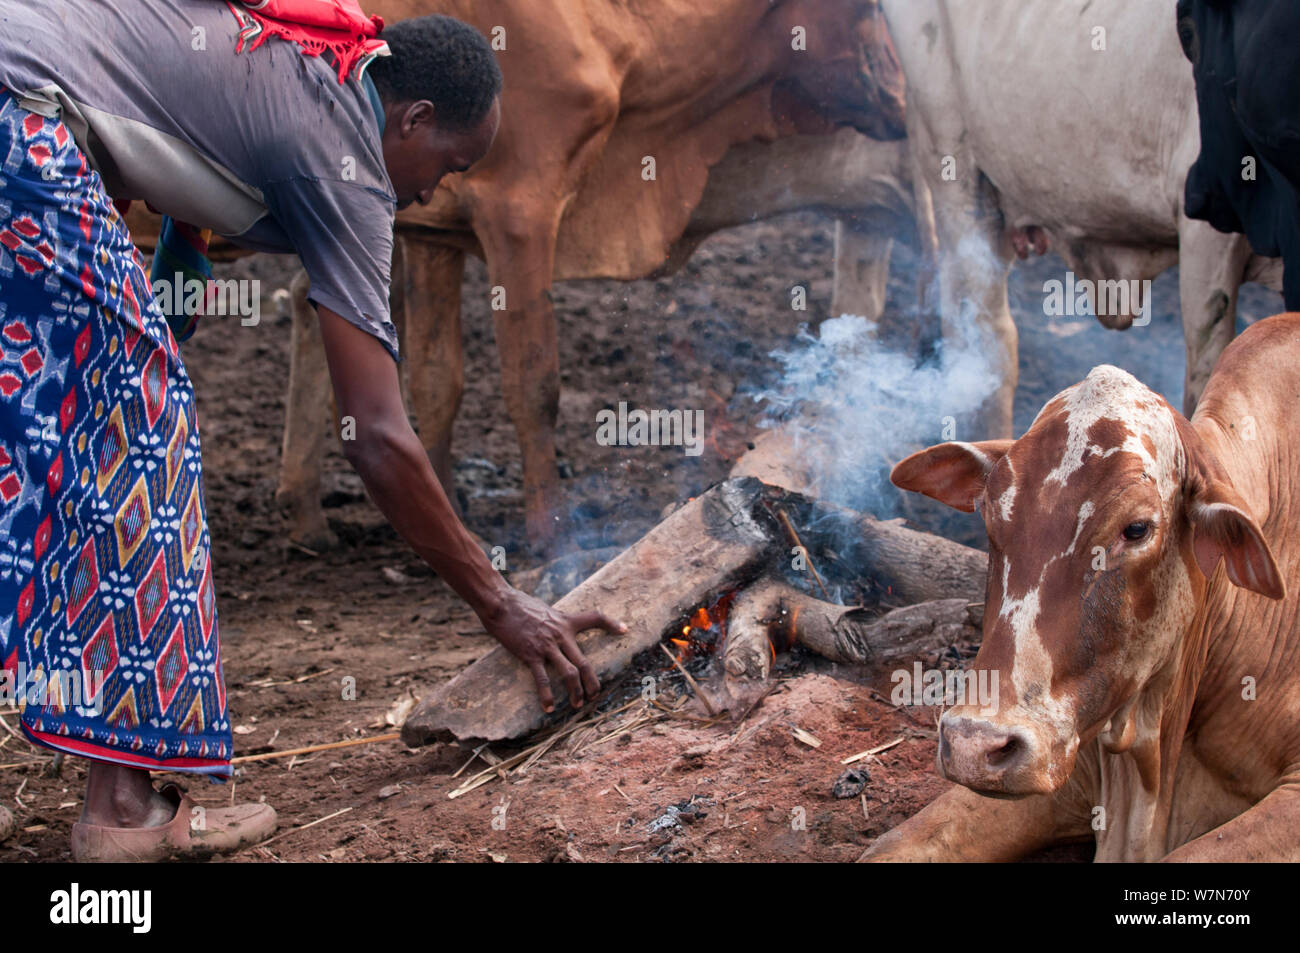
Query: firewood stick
[266, 756]
[461, 769]
[789, 528]
[872, 751]
[486, 775]
[708, 705]
[747, 653]
[320, 820]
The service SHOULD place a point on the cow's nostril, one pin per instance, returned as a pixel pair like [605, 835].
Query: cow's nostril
[999, 757]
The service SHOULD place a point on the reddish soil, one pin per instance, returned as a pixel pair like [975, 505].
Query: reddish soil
[295, 626]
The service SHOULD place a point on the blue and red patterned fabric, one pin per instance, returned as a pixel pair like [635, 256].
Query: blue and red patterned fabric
[104, 567]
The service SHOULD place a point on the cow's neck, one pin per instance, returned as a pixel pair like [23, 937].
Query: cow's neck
[1137, 778]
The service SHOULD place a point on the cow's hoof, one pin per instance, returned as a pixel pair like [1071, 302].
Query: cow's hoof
[319, 539]
[549, 528]
[7, 824]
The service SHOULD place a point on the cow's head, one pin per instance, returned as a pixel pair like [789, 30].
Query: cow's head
[1104, 522]
[1235, 88]
[1215, 190]
[847, 74]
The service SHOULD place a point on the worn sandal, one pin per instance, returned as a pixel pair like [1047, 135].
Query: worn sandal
[7, 824]
[194, 833]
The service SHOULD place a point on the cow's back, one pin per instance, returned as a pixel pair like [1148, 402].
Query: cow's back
[1246, 723]
[1249, 415]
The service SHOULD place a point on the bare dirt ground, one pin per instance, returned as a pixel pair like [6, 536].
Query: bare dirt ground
[294, 626]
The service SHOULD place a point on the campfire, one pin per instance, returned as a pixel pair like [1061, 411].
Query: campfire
[728, 584]
[705, 633]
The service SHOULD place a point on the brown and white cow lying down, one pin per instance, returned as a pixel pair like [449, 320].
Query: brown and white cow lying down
[1150, 703]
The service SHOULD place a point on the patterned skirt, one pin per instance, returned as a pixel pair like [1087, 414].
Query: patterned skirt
[108, 622]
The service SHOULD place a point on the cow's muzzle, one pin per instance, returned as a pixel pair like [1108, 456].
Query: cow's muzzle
[991, 758]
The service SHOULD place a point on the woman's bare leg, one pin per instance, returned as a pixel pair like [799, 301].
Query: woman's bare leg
[118, 796]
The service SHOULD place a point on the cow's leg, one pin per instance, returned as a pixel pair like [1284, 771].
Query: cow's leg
[1266, 833]
[975, 313]
[861, 271]
[517, 201]
[519, 244]
[305, 426]
[961, 825]
[434, 349]
[1211, 268]
[528, 348]
[973, 260]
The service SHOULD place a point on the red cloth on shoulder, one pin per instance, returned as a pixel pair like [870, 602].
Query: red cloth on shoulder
[343, 15]
[317, 26]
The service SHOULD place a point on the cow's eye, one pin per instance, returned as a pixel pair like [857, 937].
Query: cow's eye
[1135, 531]
[1189, 39]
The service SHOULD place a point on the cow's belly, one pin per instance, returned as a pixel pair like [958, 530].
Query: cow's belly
[1083, 211]
[1047, 178]
[1087, 143]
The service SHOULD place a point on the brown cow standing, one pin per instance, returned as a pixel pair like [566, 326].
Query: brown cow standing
[1139, 627]
[613, 114]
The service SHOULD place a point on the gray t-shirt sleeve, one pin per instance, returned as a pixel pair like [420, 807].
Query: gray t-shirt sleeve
[343, 234]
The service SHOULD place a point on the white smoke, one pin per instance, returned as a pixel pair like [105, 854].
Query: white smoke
[853, 407]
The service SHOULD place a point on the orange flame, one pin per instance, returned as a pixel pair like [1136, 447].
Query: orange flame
[705, 629]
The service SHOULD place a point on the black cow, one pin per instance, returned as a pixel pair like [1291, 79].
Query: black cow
[1246, 59]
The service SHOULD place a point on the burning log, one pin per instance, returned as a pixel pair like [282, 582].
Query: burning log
[748, 650]
[716, 542]
[772, 614]
[913, 566]
[778, 459]
[696, 567]
[916, 566]
[850, 635]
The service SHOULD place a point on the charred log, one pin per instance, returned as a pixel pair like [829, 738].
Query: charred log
[718, 541]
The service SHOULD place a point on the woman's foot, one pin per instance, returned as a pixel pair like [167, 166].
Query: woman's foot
[7, 824]
[124, 820]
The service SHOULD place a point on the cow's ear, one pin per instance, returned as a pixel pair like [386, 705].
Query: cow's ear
[1222, 527]
[952, 473]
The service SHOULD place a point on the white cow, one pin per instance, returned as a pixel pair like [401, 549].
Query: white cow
[1070, 118]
